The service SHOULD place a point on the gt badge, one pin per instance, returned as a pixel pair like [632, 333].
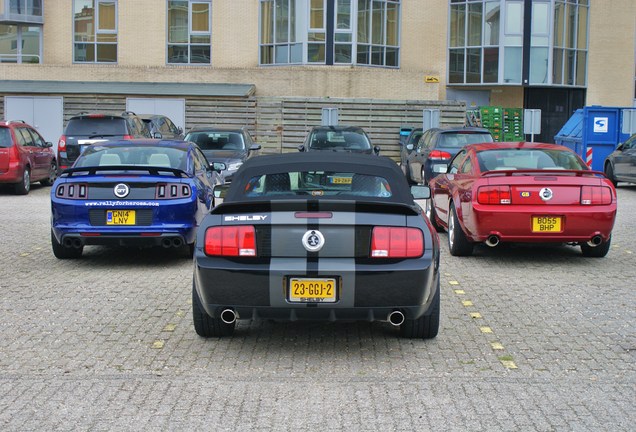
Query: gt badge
[121, 190]
[525, 194]
[545, 194]
[313, 240]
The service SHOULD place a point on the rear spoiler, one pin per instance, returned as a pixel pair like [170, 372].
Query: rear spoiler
[528, 172]
[316, 205]
[69, 172]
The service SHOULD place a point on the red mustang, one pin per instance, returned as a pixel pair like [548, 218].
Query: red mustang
[522, 192]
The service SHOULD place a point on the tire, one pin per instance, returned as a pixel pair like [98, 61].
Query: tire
[458, 243]
[52, 175]
[23, 187]
[204, 324]
[62, 252]
[431, 215]
[426, 326]
[609, 173]
[596, 252]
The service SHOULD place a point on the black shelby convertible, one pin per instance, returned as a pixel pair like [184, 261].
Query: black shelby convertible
[317, 236]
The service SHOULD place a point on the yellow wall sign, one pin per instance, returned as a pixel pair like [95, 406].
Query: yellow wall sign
[431, 79]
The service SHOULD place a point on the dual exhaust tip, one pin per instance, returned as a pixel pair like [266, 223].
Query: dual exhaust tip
[74, 243]
[174, 242]
[229, 316]
[493, 240]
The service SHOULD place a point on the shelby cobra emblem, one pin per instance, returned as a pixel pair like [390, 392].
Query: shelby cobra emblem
[313, 240]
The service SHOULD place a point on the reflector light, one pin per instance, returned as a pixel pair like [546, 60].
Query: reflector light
[237, 240]
[439, 155]
[61, 144]
[494, 195]
[596, 195]
[396, 242]
[128, 137]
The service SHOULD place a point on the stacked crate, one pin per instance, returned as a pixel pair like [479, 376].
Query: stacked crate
[492, 119]
[513, 124]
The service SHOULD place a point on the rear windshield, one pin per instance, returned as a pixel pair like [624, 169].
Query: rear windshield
[5, 137]
[217, 140]
[96, 126]
[164, 157]
[514, 159]
[317, 184]
[329, 140]
[460, 139]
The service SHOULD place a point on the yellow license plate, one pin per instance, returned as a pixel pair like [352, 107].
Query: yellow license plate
[312, 290]
[341, 180]
[546, 224]
[120, 217]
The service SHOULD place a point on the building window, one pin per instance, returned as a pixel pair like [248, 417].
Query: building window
[26, 7]
[20, 44]
[363, 32]
[95, 31]
[189, 31]
[487, 42]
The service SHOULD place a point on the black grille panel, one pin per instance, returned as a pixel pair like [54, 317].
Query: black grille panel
[143, 217]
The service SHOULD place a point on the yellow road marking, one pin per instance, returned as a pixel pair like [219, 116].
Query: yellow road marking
[467, 303]
[475, 315]
[460, 292]
[485, 329]
[496, 346]
[169, 327]
[453, 282]
[509, 364]
[158, 344]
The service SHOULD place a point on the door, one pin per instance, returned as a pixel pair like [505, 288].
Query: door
[44, 113]
[171, 108]
[624, 160]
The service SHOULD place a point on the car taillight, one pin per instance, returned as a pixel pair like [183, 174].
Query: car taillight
[128, 137]
[61, 144]
[237, 240]
[494, 195]
[396, 242]
[439, 155]
[72, 191]
[596, 195]
[169, 191]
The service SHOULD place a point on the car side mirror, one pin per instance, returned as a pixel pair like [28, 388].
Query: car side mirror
[420, 192]
[376, 150]
[218, 166]
[48, 144]
[620, 147]
[157, 135]
[255, 147]
[409, 147]
[301, 148]
[180, 130]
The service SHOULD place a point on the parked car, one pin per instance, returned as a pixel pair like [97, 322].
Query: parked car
[132, 193]
[25, 157]
[87, 129]
[620, 165]
[350, 139]
[522, 192]
[407, 145]
[435, 149]
[161, 126]
[278, 249]
[231, 146]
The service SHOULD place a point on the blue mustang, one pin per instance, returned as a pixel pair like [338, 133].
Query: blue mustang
[132, 193]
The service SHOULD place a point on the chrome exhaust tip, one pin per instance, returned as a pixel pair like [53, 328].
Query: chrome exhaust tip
[396, 318]
[166, 243]
[492, 240]
[228, 316]
[595, 241]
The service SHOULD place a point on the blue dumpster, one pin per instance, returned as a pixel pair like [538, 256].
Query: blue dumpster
[593, 132]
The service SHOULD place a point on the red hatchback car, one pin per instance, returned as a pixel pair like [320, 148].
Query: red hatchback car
[522, 192]
[25, 157]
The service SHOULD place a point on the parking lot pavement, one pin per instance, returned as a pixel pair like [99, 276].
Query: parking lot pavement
[531, 338]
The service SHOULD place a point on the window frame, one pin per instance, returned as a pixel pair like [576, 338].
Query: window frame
[191, 33]
[96, 31]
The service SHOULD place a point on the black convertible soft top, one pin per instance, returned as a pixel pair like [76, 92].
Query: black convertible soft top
[323, 161]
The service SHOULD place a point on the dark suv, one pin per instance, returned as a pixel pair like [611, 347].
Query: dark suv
[25, 157]
[351, 139]
[87, 129]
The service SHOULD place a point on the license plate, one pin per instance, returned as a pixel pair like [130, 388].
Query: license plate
[340, 180]
[303, 290]
[546, 224]
[120, 217]
[440, 168]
